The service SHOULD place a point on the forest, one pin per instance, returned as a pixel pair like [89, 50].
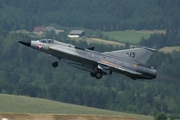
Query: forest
[171, 38]
[105, 15]
[25, 71]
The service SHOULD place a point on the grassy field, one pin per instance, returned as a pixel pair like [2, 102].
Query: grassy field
[131, 36]
[22, 104]
[99, 41]
[15, 116]
[169, 49]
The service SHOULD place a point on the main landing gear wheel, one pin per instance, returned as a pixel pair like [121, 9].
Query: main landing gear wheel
[93, 74]
[55, 64]
[98, 74]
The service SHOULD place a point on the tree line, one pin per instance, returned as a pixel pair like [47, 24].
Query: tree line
[102, 15]
[170, 38]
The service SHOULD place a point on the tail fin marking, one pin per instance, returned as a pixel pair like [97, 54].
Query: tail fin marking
[138, 55]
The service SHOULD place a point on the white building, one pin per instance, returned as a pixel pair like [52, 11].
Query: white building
[76, 33]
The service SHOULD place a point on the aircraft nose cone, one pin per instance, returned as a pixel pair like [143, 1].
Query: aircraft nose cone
[27, 43]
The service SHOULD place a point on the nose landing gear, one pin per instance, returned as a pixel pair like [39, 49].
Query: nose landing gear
[55, 64]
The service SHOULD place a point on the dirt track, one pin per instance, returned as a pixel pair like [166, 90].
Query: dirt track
[12, 116]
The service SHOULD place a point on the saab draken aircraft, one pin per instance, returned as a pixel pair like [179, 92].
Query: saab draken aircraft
[130, 62]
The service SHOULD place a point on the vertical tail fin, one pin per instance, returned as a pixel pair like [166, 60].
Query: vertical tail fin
[139, 55]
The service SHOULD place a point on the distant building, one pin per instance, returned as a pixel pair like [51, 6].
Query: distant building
[42, 30]
[59, 31]
[39, 30]
[76, 33]
[51, 28]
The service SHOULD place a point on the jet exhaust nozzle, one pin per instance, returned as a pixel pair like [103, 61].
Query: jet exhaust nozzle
[26, 43]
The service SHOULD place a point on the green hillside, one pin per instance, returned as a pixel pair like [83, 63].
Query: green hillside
[22, 104]
[131, 36]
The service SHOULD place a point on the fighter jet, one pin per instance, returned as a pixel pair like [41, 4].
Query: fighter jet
[130, 62]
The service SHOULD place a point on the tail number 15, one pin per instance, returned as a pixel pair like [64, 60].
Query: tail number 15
[131, 54]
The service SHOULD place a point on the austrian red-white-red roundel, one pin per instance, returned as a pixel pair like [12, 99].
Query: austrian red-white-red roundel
[40, 46]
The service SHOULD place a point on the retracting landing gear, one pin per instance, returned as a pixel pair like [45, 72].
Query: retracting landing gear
[93, 74]
[98, 74]
[55, 64]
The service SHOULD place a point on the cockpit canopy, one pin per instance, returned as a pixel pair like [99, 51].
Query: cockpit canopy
[47, 40]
